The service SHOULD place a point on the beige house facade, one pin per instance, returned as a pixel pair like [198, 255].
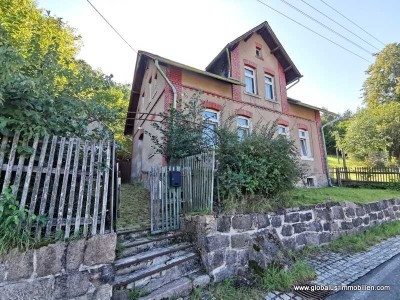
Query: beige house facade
[249, 79]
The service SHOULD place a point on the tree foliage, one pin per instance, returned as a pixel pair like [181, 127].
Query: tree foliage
[383, 83]
[44, 88]
[373, 134]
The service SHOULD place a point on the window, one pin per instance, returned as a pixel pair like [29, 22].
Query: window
[304, 144]
[212, 119]
[269, 87]
[258, 53]
[283, 130]
[243, 128]
[250, 80]
[310, 181]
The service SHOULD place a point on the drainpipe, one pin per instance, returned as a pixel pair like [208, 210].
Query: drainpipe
[325, 152]
[168, 81]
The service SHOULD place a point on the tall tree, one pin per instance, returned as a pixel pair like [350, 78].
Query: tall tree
[44, 88]
[383, 82]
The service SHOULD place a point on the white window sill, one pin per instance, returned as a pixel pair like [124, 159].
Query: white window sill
[307, 158]
[272, 100]
[252, 95]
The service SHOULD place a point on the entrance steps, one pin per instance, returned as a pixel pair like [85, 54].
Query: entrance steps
[156, 266]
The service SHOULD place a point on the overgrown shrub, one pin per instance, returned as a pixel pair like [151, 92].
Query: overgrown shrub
[14, 224]
[262, 165]
[180, 131]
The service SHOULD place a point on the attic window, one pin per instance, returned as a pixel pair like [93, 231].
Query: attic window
[258, 52]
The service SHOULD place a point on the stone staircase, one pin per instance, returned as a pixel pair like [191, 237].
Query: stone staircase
[158, 266]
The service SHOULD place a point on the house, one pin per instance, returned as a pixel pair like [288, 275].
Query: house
[248, 78]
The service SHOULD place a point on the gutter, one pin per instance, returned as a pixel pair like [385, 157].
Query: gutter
[169, 83]
[296, 82]
[325, 153]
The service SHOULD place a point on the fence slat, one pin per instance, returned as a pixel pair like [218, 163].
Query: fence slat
[18, 173]
[81, 189]
[105, 190]
[55, 187]
[3, 148]
[112, 194]
[29, 173]
[98, 187]
[64, 185]
[11, 159]
[45, 185]
[72, 189]
[89, 190]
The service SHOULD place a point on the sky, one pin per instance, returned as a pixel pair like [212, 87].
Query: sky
[194, 32]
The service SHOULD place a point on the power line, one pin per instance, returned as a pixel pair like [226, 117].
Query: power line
[115, 30]
[345, 28]
[313, 31]
[325, 26]
[352, 22]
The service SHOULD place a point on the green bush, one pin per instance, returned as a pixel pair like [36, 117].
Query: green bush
[263, 165]
[14, 224]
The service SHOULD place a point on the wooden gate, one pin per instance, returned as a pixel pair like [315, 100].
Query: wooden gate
[198, 182]
[166, 200]
[194, 194]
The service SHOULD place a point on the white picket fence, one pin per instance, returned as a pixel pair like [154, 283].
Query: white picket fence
[71, 182]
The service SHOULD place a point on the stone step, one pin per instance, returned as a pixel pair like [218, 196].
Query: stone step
[155, 276]
[147, 243]
[178, 288]
[154, 256]
[133, 233]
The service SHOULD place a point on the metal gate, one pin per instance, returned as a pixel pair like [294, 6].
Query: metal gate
[166, 200]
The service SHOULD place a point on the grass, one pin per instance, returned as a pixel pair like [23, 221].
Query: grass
[362, 241]
[350, 162]
[226, 290]
[135, 206]
[300, 197]
[275, 278]
[353, 243]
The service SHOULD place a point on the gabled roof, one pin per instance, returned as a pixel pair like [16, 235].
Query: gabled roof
[291, 71]
[140, 68]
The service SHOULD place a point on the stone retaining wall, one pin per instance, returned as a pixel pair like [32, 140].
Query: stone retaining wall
[80, 269]
[227, 243]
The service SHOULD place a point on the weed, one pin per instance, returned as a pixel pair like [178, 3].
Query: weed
[277, 278]
[15, 224]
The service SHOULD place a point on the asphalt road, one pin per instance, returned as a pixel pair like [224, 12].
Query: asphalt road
[386, 274]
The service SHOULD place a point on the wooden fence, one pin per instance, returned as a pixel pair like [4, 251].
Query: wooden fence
[166, 201]
[194, 194]
[71, 182]
[342, 176]
[198, 181]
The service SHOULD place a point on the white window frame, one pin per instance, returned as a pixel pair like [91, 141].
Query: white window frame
[245, 127]
[308, 144]
[253, 78]
[286, 134]
[272, 84]
[212, 120]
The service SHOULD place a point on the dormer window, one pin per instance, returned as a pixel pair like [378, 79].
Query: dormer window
[250, 80]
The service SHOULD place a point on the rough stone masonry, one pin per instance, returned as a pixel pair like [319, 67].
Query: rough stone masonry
[228, 242]
[78, 269]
